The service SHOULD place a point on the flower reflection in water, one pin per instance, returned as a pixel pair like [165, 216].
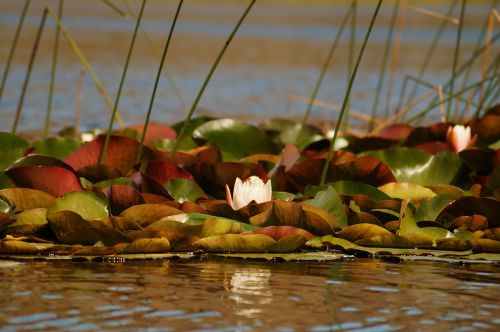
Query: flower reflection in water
[250, 290]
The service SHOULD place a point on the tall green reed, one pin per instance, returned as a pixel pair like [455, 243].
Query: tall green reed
[28, 71]
[13, 47]
[207, 79]
[157, 80]
[120, 87]
[53, 72]
[348, 93]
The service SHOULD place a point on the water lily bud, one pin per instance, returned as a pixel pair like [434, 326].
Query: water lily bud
[252, 189]
[459, 138]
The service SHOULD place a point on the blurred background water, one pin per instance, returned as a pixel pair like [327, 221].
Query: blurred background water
[278, 53]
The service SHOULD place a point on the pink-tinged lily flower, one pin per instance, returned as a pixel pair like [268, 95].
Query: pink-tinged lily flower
[244, 192]
[459, 138]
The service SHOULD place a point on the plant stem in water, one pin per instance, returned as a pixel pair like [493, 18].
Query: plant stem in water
[352, 45]
[53, 72]
[13, 47]
[158, 74]
[120, 87]
[347, 94]
[28, 71]
[333, 47]
[455, 56]
[207, 79]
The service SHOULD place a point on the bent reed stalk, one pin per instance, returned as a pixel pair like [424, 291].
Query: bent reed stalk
[348, 93]
[207, 79]
[157, 80]
[120, 87]
[86, 64]
[28, 71]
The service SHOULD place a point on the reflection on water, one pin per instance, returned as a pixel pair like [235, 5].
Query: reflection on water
[233, 295]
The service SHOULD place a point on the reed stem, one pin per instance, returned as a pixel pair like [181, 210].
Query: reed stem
[120, 87]
[115, 8]
[78, 101]
[333, 47]
[347, 94]
[455, 56]
[53, 72]
[385, 59]
[158, 74]
[28, 71]
[86, 64]
[207, 79]
[13, 47]
[352, 45]
[171, 80]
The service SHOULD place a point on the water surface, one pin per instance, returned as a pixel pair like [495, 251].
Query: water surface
[235, 295]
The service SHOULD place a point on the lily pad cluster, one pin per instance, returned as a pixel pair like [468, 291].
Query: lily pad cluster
[404, 190]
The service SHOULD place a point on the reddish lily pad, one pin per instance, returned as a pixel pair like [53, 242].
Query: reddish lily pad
[470, 205]
[155, 131]
[39, 172]
[121, 153]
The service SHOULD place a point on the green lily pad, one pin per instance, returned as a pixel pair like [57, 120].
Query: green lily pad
[431, 208]
[58, 147]
[235, 138]
[87, 204]
[184, 190]
[31, 217]
[410, 191]
[357, 232]
[409, 227]
[329, 200]
[12, 147]
[294, 133]
[416, 166]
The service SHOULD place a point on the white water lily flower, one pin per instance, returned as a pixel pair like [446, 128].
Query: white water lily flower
[252, 189]
[459, 137]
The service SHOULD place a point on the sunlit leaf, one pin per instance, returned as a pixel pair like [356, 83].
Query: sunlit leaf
[236, 138]
[429, 209]
[17, 248]
[26, 199]
[146, 214]
[408, 191]
[362, 231]
[409, 227]
[147, 246]
[415, 166]
[87, 205]
[12, 147]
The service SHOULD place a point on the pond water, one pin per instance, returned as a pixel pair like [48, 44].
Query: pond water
[277, 53]
[237, 295]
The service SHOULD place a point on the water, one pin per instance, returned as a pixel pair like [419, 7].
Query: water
[277, 53]
[235, 295]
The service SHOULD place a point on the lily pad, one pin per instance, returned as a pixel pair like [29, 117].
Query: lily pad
[357, 232]
[12, 147]
[415, 166]
[70, 228]
[431, 208]
[249, 243]
[87, 205]
[57, 147]
[147, 246]
[330, 201]
[146, 214]
[184, 190]
[39, 172]
[235, 138]
[409, 227]
[26, 199]
[410, 191]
